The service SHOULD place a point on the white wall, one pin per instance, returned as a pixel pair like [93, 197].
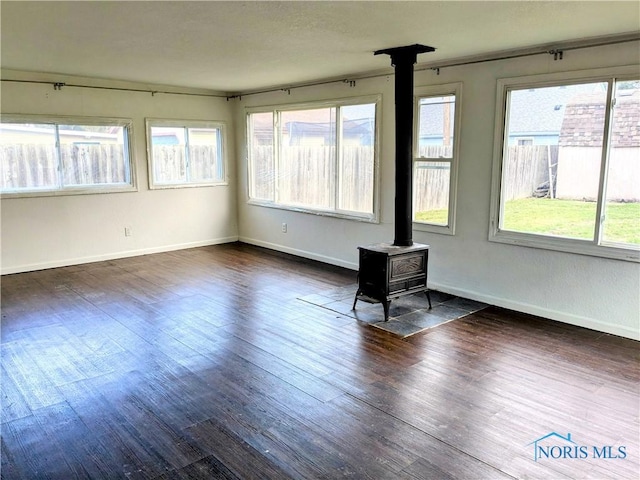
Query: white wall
[592, 292]
[44, 232]
[53, 231]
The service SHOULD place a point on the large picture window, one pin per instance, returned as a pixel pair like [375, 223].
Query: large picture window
[185, 153]
[574, 185]
[319, 158]
[49, 156]
[435, 158]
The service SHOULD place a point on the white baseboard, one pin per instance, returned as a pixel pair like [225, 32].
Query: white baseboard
[550, 314]
[547, 313]
[65, 262]
[301, 253]
[571, 319]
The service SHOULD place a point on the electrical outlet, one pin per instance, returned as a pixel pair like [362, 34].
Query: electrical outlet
[284, 228]
[127, 231]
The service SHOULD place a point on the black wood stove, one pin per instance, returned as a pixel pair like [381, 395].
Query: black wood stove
[390, 270]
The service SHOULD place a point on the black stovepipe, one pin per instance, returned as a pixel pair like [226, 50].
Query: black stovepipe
[403, 59]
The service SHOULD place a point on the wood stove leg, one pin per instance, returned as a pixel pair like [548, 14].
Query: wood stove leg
[355, 300]
[385, 305]
[426, 292]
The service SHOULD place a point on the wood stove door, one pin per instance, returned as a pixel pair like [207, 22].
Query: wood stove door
[407, 272]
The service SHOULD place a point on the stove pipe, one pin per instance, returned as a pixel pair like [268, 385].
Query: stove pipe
[403, 59]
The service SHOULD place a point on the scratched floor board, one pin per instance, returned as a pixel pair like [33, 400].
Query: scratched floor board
[204, 363]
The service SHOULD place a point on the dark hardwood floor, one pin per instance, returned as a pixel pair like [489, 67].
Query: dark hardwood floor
[203, 363]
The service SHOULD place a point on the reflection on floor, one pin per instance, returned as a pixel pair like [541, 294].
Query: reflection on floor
[408, 315]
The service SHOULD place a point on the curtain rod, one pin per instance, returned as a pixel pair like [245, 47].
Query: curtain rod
[59, 85]
[557, 50]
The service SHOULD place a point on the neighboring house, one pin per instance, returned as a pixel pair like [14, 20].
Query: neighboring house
[583, 122]
[16, 133]
[536, 115]
[580, 148]
[176, 136]
[433, 117]
[358, 132]
[315, 128]
[567, 124]
[536, 119]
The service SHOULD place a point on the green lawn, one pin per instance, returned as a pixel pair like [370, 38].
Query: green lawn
[562, 218]
[574, 219]
[566, 218]
[439, 217]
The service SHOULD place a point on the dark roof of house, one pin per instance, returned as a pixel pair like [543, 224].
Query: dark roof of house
[533, 111]
[583, 124]
[541, 110]
[363, 126]
[431, 124]
[318, 122]
[574, 112]
[314, 121]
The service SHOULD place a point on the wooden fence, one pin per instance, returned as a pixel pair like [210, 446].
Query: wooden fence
[431, 179]
[357, 179]
[307, 177]
[527, 168]
[34, 166]
[262, 181]
[170, 164]
[308, 171]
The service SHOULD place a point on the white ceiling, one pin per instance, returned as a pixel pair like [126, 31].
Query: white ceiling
[244, 46]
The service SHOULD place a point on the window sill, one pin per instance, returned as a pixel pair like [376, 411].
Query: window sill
[432, 228]
[568, 245]
[68, 192]
[366, 218]
[186, 185]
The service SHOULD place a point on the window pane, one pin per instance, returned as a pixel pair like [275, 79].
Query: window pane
[28, 157]
[436, 127]
[205, 155]
[622, 207]
[169, 154]
[431, 192]
[357, 158]
[261, 171]
[308, 154]
[294, 161]
[550, 185]
[93, 155]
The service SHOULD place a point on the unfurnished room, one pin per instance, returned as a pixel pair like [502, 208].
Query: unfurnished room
[320, 239]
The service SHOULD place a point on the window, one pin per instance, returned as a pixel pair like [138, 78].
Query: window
[185, 153]
[576, 187]
[319, 158]
[435, 159]
[53, 156]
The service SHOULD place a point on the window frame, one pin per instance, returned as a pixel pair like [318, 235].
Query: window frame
[60, 189]
[186, 124]
[373, 217]
[442, 90]
[592, 247]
